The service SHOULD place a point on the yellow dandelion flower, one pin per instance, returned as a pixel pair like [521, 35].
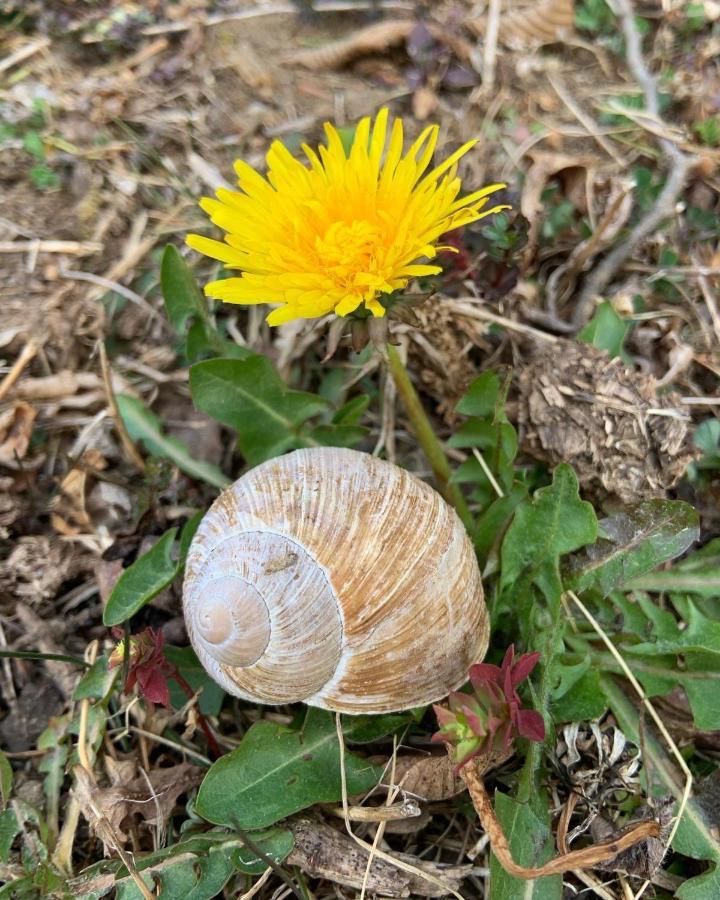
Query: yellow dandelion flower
[344, 230]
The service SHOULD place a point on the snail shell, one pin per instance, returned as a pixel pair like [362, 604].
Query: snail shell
[336, 578]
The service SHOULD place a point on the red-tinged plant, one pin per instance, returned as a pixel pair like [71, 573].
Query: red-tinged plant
[147, 666]
[486, 721]
[150, 670]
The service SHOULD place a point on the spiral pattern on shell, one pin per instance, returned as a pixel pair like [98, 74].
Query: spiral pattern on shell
[336, 578]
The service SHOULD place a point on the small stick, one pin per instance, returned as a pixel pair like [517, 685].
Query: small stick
[470, 308]
[90, 657]
[27, 353]
[130, 449]
[585, 120]
[23, 53]
[408, 809]
[77, 248]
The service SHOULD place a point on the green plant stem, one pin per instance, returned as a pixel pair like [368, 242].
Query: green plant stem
[528, 785]
[35, 654]
[428, 440]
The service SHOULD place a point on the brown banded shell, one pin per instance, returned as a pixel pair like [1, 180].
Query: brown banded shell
[336, 578]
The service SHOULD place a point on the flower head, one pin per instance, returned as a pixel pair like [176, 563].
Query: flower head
[486, 721]
[342, 232]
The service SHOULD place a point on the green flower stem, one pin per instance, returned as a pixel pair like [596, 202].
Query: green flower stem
[428, 440]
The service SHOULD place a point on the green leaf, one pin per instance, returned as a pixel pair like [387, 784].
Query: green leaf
[197, 867]
[606, 330]
[276, 771]
[141, 581]
[702, 887]
[364, 729]
[211, 699]
[183, 298]
[490, 433]
[9, 829]
[97, 682]
[638, 539]
[249, 396]
[142, 425]
[698, 644]
[555, 523]
[698, 573]
[187, 310]
[531, 844]
[481, 397]
[275, 843]
[576, 692]
[352, 411]
[187, 534]
[337, 435]
[490, 526]
[6, 779]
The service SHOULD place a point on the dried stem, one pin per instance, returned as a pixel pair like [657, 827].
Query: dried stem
[586, 858]
[174, 672]
[424, 432]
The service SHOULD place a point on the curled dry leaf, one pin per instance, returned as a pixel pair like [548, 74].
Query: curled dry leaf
[532, 24]
[546, 166]
[580, 406]
[374, 39]
[616, 212]
[429, 778]
[324, 852]
[68, 507]
[16, 425]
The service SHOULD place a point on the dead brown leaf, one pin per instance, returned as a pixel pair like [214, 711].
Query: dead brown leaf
[430, 778]
[546, 166]
[375, 38]
[16, 424]
[250, 67]
[69, 514]
[132, 795]
[531, 25]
